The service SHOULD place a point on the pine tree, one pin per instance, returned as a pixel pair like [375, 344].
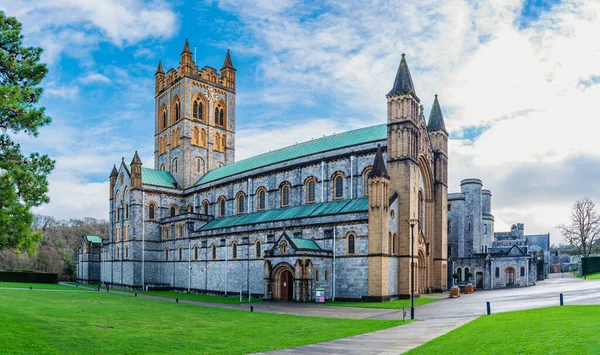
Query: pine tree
[23, 179]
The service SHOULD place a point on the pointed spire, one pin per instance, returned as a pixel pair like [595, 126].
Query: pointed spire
[403, 83]
[227, 64]
[379, 169]
[186, 47]
[136, 159]
[160, 70]
[114, 173]
[436, 119]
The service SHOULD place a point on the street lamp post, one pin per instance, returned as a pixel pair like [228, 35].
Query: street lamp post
[412, 222]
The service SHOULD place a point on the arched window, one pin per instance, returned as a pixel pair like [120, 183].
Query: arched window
[174, 166]
[198, 109]
[497, 272]
[162, 167]
[180, 253]
[522, 271]
[195, 136]
[180, 231]
[351, 241]
[241, 202]
[365, 176]
[394, 238]
[460, 275]
[392, 214]
[175, 137]
[285, 194]
[222, 206]
[310, 184]
[127, 211]
[467, 270]
[205, 207]
[220, 114]
[219, 142]
[283, 248]
[195, 252]
[202, 137]
[258, 249]
[118, 256]
[121, 179]
[126, 252]
[172, 211]
[166, 254]
[152, 211]
[326, 275]
[200, 165]
[216, 115]
[234, 250]
[317, 276]
[191, 208]
[213, 251]
[126, 232]
[223, 142]
[176, 110]
[165, 233]
[163, 120]
[261, 199]
[338, 186]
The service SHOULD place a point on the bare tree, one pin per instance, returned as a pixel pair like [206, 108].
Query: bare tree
[584, 229]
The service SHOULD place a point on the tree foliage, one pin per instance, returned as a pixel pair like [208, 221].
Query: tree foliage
[584, 228]
[23, 179]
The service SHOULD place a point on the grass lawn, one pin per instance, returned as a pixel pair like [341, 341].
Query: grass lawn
[46, 322]
[387, 305]
[37, 286]
[554, 330]
[193, 296]
[595, 276]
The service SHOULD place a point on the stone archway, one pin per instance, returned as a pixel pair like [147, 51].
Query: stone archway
[421, 274]
[509, 276]
[283, 282]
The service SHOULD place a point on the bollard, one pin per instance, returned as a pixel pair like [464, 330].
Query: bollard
[98, 287]
[251, 308]
[177, 300]
[30, 288]
[489, 308]
[240, 296]
[561, 300]
[135, 294]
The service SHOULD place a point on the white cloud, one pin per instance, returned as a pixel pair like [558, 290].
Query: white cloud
[68, 92]
[92, 78]
[77, 26]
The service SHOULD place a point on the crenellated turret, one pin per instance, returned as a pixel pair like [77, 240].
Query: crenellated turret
[186, 65]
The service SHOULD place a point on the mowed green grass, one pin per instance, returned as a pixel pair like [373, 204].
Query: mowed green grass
[192, 296]
[595, 276]
[385, 305]
[554, 330]
[35, 286]
[52, 322]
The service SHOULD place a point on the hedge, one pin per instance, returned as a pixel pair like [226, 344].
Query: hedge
[30, 277]
[590, 265]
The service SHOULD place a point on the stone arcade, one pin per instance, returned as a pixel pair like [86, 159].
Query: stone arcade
[329, 212]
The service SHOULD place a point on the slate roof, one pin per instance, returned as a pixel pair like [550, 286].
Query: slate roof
[305, 244]
[93, 238]
[319, 145]
[403, 83]
[158, 178]
[436, 119]
[304, 211]
[379, 169]
[227, 63]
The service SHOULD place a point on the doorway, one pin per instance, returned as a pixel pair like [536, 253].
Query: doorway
[510, 276]
[287, 286]
[479, 280]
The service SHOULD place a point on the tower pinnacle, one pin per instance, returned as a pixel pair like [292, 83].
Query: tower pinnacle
[403, 83]
[436, 119]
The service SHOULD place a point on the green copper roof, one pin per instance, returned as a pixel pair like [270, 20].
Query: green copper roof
[158, 178]
[312, 210]
[336, 141]
[305, 244]
[93, 238]
[436, 119]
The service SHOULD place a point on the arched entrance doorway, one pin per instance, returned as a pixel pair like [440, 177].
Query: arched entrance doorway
[509, 276]
[286, 285]
[479, 280]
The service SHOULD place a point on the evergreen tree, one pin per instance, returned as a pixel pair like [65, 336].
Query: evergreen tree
[23, 179]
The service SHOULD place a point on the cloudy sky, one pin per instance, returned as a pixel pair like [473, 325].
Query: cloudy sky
[519, 84]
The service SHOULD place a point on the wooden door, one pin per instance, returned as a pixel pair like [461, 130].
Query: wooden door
[510, 277]
[287, 288]
[479, 280]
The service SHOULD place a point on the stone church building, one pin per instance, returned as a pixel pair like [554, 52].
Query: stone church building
[329, 212]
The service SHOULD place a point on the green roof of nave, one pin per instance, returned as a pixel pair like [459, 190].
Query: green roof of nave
[319, 145]
[157, 178]
[280, 214]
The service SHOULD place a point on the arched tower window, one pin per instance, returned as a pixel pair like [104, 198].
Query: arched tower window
[152, 211]
[205, 207]
[241, 202]
[351, 243]
[195, 252]
[175, 166]
[213, 251]
[338, 186]
[258, 249]
[180, 253]
[234, 250]
[166, 254]
[202, 137]
[163, 121]
[261, 197]
[200, 167]
[220, 119]
[222, 206]
[285, 194]
[195, 136]
[173, 210]
[191, 208]
[176, 110]
[311, 185]
[198, 108]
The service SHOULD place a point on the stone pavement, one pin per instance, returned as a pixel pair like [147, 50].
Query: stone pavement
[395, 340]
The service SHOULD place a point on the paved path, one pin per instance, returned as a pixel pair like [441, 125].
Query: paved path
[395, 340]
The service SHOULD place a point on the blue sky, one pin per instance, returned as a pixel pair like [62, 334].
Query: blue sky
[507, 74]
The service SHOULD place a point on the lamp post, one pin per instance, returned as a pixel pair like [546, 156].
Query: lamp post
[412, 222]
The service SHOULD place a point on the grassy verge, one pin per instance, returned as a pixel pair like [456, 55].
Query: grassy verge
[35, 286]
[105, 323]
[191, 296]
[385, 305]
[554, 330]
[595, 276]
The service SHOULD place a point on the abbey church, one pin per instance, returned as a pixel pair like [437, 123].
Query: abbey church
[329, 213]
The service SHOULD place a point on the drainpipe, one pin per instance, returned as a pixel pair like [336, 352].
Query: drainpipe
[333, 295]
[226, 264]
[189, 263]
[351, 176]
[322, 180]
[143, 241]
